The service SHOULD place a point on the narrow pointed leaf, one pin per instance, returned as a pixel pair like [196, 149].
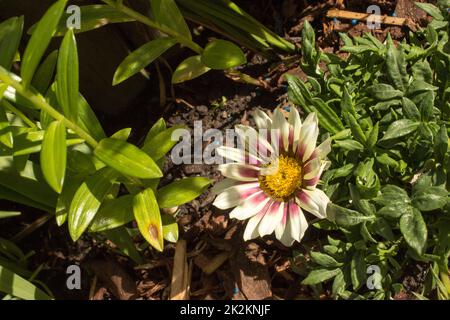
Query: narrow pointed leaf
[148, 218]
[10, 35]
[40, 40]
[87, 200]
[54, 155]
[181, 191]
[67, 76]
[166, 12]
[141, 58]
[44, 74]
[15, 285]
[127, 159]
[222, 54]
[189, 69]
[113, 214]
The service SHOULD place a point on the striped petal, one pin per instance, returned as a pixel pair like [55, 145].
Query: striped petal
[238, 171]
[323, 149]
[262, 120]
[296, 124]
[234, 195]
[251, 206]
[280, 123]
[251, 230]
[297, 223]
[254, 142]
[271, 219]
[311, 169]
[237, 155]
[221, 186]
[314, 201]
[308, 137]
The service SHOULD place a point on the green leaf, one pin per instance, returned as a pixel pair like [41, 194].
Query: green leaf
[54, 155]
[441, 144]
[148, 218]
[400, 128]
[396, 65]
[431, 9]
[70, 187]
[127, 159]
[349, 144]
[324, 260]
[67, 77]
[166, 13]
[320, 275]
[88, 121]
[9, 214]
[189, 69]
[430, 199]
[170, 228]
[181, 191]
[28, 182]
[414, 230]
[15, 285]
[87, 200]
[6, 136]
[358, 270]
[113, 214]
[222, 55]
[92, 17]
[410, 109]
[122, 134]
[40, 40]
[156, 129]
[346, 217]
[124, 242]
[44, 74]
[142, 57]
[338, 284]
[30, 142]
[384, 92]
[157, 146]
[10, 35]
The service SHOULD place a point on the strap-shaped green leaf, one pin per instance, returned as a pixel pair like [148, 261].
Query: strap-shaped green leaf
[67, 76]
[44, 74]
[87, 200]
[54, 155]
[181, 191]
[166, 13]
[113, 214]
[93, 17]
[10, 34]
[141, 58]
[40, 40]
[148, 218]
[127, 159]
[189, 69]
[17, 286]
[222, 54]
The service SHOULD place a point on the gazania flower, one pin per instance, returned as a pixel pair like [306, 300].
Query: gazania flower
[273, 181]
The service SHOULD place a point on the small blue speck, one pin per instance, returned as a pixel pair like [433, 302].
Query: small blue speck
[235, 290]
[335, 20]
[288, 109]
[354, 22]
[394, 14]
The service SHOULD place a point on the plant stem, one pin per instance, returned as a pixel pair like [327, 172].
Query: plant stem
[153, 24]
[19, 113]
[40, 103]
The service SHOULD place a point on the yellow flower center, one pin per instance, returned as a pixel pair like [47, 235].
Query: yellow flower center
[285, 179]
